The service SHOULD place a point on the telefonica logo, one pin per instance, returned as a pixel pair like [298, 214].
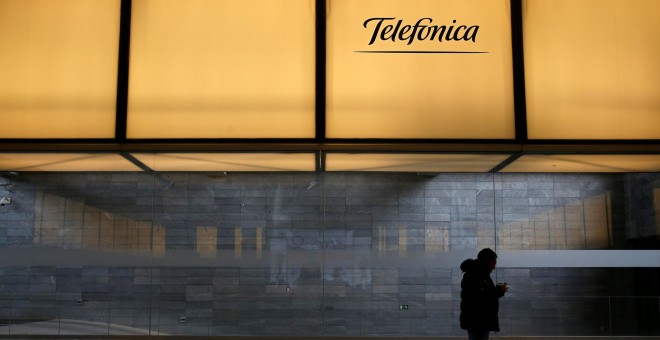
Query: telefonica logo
[391, 29]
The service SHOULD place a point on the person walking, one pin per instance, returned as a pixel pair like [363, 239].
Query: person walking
[480, 296]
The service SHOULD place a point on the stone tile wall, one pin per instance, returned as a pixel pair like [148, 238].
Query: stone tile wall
[313, 254]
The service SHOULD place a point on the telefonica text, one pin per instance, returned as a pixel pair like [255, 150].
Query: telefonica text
[395, 30]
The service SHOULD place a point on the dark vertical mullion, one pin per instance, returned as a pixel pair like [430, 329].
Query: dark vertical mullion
[320, 161]
[520, 103]
[121, 112]
[320, 78]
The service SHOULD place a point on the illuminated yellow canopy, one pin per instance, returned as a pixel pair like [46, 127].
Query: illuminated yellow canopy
[396, 70]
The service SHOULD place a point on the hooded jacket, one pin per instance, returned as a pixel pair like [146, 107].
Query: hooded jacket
[479, 298]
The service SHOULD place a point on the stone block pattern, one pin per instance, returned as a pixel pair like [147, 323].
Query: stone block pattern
[311, 254]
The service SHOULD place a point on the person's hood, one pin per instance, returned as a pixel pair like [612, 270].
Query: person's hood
[471, 265]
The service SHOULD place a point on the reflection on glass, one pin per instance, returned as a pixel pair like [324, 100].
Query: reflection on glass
[111, 250]
[581, 223]
[66, 223]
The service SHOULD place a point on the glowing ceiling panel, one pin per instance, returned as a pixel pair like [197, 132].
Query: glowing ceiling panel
[228, 161]
[65, 162]
[412, 162]
[585, 163]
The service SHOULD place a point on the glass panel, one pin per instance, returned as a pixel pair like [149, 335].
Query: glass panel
[412, 162]
[227, 69]
[597, 230]
[594, 76]
[58, 61]
[65, 162]
[229, 161]
[335, 254]
[585, 163]
[410, 83]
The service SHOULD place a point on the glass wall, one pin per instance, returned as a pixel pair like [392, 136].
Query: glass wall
[324, 254]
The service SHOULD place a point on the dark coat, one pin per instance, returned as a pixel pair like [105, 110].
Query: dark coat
[479, 298]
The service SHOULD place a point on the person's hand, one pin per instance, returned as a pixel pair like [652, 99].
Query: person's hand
[503, 286]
